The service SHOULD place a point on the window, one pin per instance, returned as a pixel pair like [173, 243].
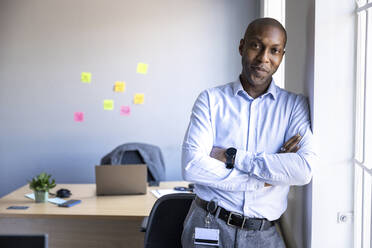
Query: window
[363, 130]
[275, 9]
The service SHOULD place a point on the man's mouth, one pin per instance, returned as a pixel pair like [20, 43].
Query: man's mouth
[258, 68]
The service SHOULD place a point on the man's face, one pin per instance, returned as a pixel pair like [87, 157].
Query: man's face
[262, 51]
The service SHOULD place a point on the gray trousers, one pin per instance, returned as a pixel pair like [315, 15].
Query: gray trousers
[229, 236]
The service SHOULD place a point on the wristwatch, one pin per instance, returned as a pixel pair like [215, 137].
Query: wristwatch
[230, 157]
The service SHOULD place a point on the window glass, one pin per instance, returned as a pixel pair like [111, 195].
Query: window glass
[367, 210]
[368, 110]
[358, 202]
[360, 86]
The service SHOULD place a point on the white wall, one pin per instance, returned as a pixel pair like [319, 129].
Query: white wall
[45, 45]
[334, 89]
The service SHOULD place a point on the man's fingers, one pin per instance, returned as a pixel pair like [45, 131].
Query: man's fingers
[292, 142]
[293, 145]
[293, 138]
[296, 148]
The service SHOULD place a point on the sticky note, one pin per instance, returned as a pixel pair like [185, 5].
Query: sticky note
[108, 104]
[125, 110]
[79, 116]
[119, 86]
[139, 98]
[86, 77]
[142, 68]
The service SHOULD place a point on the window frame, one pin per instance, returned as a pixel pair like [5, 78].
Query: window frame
[275, 9]
[362, 164]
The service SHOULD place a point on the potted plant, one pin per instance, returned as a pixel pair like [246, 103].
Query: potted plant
[41, 185]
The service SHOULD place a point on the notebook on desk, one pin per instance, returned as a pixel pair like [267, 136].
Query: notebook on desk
[121, 179]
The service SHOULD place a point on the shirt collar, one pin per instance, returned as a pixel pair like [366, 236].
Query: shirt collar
[272, 90]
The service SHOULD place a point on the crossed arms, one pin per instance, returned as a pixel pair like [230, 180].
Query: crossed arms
[203, 163]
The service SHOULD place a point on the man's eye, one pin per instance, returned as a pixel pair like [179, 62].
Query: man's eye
[275, 51]
[255, 45]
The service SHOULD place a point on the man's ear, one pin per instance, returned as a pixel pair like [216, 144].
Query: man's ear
[241, 47]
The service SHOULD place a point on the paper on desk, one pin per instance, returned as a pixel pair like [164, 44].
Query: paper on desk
[55, 200]
[161, 192]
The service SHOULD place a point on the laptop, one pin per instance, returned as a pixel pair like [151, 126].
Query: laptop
[129, 179]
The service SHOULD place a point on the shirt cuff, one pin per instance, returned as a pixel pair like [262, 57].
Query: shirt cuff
[244, 161]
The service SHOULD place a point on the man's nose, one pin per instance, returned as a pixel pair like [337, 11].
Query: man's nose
[263, 56]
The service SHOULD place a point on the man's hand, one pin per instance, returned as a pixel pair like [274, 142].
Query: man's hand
[291, 145]
[218, 153]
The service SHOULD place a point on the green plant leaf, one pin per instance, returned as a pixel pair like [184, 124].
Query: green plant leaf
[42, 182]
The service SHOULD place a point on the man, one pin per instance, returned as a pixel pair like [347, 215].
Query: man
[246, 143]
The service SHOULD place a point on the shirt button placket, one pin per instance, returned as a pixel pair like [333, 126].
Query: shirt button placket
[252, 127]
[251, 147]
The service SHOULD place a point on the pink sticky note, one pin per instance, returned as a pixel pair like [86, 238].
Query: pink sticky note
[125, 110]
[79, 116]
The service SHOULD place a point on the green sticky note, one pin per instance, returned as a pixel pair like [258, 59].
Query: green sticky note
[142, 68]
[86, 77]
[108, 104]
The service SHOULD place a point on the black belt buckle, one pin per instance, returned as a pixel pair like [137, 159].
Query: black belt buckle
[237, 214]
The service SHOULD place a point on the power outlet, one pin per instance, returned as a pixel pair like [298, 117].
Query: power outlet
[345, 217]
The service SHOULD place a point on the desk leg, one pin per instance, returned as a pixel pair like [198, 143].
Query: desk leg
[92, 233]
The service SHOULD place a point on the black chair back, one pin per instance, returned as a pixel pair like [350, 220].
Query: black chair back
[165, 223]
[24, 241]
[134, 157]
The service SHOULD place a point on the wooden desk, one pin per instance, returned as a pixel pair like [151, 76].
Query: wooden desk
[103, 221]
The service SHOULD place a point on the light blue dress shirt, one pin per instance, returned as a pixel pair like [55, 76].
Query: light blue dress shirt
[226, 116]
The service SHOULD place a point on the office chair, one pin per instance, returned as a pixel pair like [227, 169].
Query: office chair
[138, 153]
[24, 241]
[165, 223]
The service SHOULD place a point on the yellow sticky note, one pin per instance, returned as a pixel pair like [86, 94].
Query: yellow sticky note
[108, 104]
[139, 98]
[119, 86]
[86, 77]
[142, 68]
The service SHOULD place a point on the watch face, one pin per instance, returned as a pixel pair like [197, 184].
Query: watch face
[231, 151]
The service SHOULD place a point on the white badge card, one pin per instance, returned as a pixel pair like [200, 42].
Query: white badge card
[206, 236]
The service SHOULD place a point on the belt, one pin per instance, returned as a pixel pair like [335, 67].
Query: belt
[235, 219]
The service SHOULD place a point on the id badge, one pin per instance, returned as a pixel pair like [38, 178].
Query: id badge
[207, 236]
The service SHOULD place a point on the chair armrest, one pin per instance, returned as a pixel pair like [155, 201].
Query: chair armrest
[144, 224]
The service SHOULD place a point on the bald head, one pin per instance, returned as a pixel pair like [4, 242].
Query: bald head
[261, 23]
[262, 50]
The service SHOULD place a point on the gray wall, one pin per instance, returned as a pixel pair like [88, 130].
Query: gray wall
[299, 78]
[45, 45]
